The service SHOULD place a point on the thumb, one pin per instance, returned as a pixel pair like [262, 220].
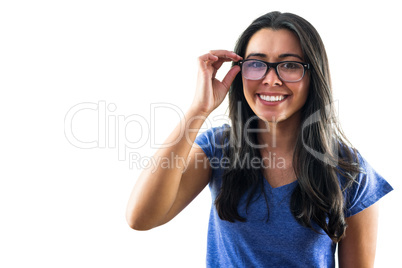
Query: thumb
[230, 76]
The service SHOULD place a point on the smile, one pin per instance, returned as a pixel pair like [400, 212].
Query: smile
[272, 98]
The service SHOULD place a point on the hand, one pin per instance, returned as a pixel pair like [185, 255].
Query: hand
[210, 91]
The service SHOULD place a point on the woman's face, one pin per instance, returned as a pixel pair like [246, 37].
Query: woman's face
[271, 99]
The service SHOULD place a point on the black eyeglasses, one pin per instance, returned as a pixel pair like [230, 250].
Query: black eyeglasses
[287, 71]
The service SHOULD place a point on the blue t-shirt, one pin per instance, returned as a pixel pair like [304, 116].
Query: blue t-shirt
[281, 241]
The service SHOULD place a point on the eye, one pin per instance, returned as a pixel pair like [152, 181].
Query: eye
[255, 64]
[291, 66]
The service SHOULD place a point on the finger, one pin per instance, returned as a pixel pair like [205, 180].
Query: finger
[230, 76]
[208, 57]
[226, 55]
[218, 65]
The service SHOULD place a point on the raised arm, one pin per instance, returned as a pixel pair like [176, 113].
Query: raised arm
[162, 191]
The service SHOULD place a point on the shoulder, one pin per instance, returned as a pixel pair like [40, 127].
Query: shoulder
[214, 133]
[213, 140]
[367, 188]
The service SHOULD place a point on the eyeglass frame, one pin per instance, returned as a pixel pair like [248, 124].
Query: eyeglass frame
[274, 65]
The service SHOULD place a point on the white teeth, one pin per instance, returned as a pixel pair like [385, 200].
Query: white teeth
[272, 98]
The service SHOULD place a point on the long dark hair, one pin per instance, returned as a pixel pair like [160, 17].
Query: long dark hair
[322, 151]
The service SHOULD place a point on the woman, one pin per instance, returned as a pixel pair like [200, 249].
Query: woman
[286, 186]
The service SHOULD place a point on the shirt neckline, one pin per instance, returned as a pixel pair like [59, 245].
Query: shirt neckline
[285, 186]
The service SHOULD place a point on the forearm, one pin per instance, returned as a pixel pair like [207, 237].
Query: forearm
[157, 186]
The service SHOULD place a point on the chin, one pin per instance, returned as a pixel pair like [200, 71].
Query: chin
[273, 117]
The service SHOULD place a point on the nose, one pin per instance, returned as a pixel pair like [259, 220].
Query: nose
[272, 78]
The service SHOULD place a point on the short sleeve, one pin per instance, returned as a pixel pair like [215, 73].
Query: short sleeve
[210, 141]
[368, 189]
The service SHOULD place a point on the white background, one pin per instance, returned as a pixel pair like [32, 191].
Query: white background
[64, 206]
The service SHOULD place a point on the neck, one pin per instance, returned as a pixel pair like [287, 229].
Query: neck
[279, 137]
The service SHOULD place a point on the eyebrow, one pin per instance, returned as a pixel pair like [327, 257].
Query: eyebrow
[285, 55]
[260, 55]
